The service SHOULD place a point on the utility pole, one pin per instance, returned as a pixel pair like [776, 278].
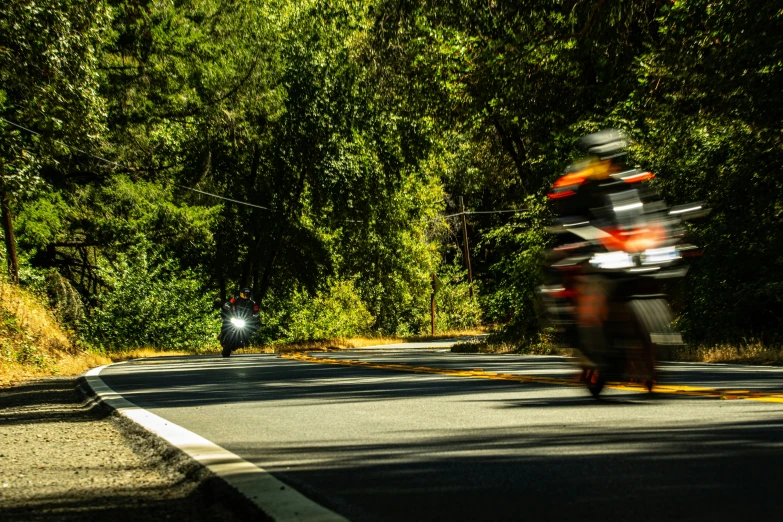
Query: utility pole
[10, 242]
[467, 248]
[432, 305]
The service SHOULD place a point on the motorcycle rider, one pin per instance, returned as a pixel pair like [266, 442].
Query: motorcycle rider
[586, 184]
[582, 195]
[241, 307]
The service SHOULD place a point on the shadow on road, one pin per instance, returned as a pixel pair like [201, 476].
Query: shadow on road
[202, 381]
[659, 469]
[714, 472]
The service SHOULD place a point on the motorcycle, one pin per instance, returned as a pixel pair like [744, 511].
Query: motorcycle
[606, 274]
[238, 328]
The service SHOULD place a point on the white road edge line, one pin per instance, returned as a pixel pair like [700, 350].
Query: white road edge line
[278, 500]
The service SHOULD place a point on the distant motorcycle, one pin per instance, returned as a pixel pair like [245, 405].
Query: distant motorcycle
[237, 330]
[612, 266]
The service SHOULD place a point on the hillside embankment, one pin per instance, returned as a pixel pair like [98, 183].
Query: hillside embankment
[34, 344]
[32, 341]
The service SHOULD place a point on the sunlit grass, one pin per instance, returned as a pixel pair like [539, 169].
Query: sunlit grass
[33, 320]
[12, 372]
[140, 353]
[321, 345]
[449, 334]
[495, 346]
[32, 342]
[751, 353]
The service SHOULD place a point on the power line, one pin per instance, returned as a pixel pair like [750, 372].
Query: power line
[225, 198]
[503, 211]
[64, 143]
[126, 167]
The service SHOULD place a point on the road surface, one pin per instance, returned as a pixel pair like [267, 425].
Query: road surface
[400, 434]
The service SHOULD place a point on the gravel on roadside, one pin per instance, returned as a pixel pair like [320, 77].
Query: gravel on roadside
[64, 458]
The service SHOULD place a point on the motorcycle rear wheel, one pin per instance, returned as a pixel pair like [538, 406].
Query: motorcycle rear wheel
[650, 316]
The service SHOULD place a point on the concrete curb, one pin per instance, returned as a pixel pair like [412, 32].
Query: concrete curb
[277, 500]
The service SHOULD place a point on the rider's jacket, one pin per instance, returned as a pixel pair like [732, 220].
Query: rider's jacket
[591, 186]
[239, 307]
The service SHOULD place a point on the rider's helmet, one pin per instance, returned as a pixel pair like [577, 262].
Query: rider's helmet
[606, 151]
[246, 293]
[605, 144]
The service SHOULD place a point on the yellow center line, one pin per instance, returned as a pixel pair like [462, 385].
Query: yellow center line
[478, 373]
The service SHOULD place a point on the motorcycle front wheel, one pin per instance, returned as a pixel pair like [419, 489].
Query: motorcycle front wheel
[594, 379]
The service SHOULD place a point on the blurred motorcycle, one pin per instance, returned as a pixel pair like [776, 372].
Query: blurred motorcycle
[606, 272]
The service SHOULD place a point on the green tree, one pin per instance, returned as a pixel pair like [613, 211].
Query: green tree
[707, 116]
[48, 85]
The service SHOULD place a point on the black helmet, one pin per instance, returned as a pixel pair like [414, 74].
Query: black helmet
[608, 143]
[245, 293]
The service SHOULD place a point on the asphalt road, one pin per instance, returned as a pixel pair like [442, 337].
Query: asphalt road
[378, 444]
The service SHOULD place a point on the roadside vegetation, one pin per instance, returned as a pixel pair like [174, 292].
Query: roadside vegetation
[155, 157]
[755, 353]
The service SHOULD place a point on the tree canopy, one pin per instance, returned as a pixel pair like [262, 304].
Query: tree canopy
[159, 154]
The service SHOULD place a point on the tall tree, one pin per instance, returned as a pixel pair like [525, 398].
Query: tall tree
[51, 111]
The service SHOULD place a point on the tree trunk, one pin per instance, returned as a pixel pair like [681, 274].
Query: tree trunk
[267, 277]
[10, 241]
[514, 150]
[293, 207]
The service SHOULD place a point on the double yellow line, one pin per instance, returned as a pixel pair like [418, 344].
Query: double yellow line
[478, 373]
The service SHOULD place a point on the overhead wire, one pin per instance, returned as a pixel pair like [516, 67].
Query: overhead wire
[226, 199]
[64, 143]
[105, 160]
[502, 211]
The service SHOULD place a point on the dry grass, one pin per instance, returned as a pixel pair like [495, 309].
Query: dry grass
[322, 345]
[73, 364]
[325, 345]
[752, 353]
[32, 342]
[35, 319]
[450, 334]
[505, 347]
[139, 353]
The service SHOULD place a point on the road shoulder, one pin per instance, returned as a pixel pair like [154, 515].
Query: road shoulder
[65, 458]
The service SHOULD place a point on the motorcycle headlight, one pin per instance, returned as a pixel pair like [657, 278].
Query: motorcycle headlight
[654, 256]
[239, 323]
[610, 260]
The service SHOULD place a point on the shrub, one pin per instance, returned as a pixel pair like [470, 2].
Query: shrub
[336, 312]
[454, 308]
[152, 304]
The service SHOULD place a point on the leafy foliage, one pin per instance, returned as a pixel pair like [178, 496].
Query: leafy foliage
[152, 304]
[336, 312]
[455, 309]
[48, 83]
[708, 119]
[349, 127]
